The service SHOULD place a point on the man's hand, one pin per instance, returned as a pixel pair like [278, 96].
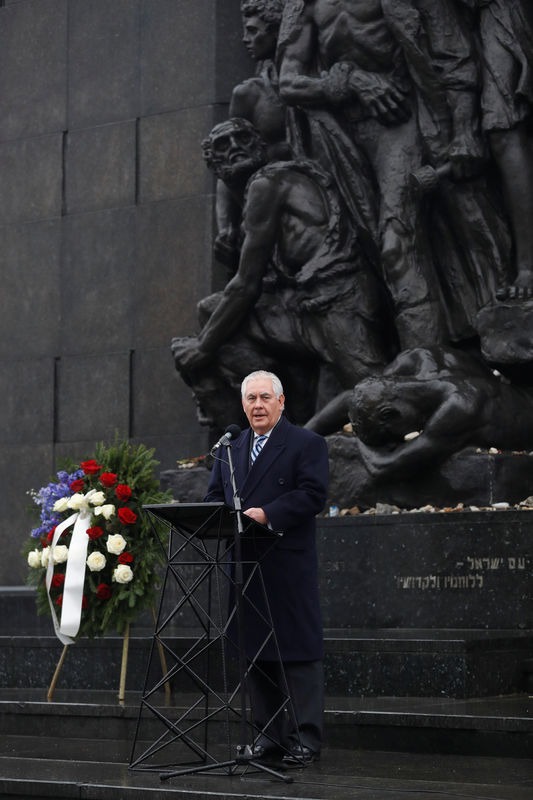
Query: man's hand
[466, 156]
[378, 95]
[188, 353]
[258, 514]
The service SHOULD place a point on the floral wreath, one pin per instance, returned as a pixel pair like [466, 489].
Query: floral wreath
[93, 557]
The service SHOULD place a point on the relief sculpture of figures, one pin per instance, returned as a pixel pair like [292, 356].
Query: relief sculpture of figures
[303, 288]
[374, 198]
[506, 31]
[342, 56]
[257, 100]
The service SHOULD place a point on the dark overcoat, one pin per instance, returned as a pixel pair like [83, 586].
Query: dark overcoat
[289, 481]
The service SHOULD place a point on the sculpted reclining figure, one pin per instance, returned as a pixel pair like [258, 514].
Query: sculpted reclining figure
[449, 398]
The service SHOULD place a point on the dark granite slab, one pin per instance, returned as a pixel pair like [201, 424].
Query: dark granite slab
[171, 164]
[33, 68]
[30, 267]
[456, 570]
[174, 244]
[98, 263]
[172, 76]
[103, 61]
[23, 466]
[32, 171]
[100, 167]
[85, 412]
[24, 420]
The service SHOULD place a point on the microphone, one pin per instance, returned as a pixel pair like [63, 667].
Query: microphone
[231, 432]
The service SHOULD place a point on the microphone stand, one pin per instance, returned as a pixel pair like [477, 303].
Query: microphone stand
[244, 756]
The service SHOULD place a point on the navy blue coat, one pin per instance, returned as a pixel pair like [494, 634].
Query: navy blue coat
[289, 481]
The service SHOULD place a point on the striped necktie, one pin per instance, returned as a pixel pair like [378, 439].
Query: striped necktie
[258, 445]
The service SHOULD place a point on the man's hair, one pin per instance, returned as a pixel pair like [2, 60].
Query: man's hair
[270, 11]
[262, 373]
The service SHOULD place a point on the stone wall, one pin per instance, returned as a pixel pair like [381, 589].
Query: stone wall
[105, 227]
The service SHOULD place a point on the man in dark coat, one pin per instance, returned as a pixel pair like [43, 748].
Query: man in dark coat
[284, 488]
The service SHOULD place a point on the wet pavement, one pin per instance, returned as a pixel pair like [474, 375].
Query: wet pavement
[79, 746]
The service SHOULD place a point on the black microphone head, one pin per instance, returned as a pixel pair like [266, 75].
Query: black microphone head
[233, 431]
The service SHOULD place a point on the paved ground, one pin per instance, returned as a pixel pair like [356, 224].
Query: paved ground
[340, 775]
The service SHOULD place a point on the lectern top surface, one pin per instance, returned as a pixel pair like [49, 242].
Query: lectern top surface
[195, 515]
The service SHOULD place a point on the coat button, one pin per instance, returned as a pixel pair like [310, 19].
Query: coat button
[281, 481]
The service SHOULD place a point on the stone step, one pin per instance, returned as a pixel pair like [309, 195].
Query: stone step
[500, 726]
[79, 747]
[403, 663]
[339, 775]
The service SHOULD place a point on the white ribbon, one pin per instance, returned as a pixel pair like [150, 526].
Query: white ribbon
[74, 575]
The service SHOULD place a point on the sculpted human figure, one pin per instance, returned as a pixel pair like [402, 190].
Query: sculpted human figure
[302, 288]
[468, 232]
[341, 55]
[451, 399]
[257, 100]
[506, 32]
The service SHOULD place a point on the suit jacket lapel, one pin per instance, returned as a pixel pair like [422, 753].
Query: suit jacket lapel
[270, 452]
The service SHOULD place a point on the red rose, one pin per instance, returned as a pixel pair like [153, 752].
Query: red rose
[125, 558]
[50, 535]
[123, 492]
[44, 543]
[78, 485]
[59, 600]
[90, 467]
[84, 602]
[108, 479]
[126, 516]
[103, 591]
[94, 533]
[58, 581]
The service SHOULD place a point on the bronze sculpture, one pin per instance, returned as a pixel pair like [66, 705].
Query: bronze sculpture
[343, 266]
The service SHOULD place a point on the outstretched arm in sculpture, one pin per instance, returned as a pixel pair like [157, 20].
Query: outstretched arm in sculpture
[242, 292]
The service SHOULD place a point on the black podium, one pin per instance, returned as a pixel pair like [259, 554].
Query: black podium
[205, 723]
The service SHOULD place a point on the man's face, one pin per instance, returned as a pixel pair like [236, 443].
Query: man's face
[258, 39]
[261, 405]
[235, 151]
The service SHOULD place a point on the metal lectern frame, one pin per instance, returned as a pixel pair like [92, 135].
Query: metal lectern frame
[210, 532]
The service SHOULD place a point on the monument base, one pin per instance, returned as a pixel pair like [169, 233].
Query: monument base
[427, 604]
[469, 477]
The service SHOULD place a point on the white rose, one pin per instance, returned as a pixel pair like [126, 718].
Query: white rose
[45, 555]
[106, 511]
[122, 574]
[60, 553]
[34, 558]
[115, 544]
[96, 562]
[77, 502]
[95, 498]
[61, 504]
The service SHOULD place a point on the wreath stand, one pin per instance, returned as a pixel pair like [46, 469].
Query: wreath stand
[123, 668]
